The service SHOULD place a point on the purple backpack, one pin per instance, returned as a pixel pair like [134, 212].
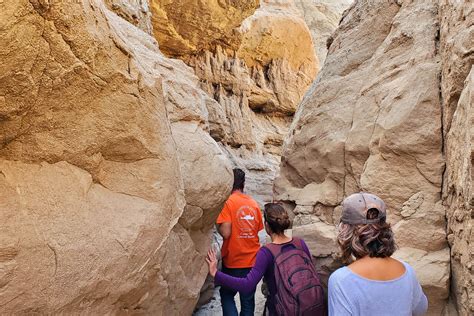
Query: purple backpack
[299, 290]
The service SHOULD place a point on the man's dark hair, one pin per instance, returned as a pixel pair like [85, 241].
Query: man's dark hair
[239, 180]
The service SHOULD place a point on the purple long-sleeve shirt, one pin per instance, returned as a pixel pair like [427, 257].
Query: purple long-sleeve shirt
[263, 268]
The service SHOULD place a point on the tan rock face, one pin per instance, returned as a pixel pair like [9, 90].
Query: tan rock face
[256, 64]
[186, 27]
[103, 204]
[458, 197]
[374, 121]
[257, 61]
[134, 11]
[457, 88]
[276, 32]
[322, 18]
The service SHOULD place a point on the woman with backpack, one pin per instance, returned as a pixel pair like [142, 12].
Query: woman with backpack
[286, 266]
[375, 283]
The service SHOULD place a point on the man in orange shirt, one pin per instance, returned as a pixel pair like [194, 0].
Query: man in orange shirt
[239, 223]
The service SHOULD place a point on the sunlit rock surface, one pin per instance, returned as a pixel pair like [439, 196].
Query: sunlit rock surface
[390, 114]
[104, 208]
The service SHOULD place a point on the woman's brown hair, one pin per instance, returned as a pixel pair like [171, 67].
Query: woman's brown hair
[276, 217]
[374, 240]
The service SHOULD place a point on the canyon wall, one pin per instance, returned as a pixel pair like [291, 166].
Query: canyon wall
[256, 60]
[457, 94]
[322, 18]
[109, 178]
[390, 114]
[115, 159]
[120, 121]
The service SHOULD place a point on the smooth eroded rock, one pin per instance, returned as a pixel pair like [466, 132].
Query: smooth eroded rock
[94, 175]
[457, 86]
[432, 271]
[372, 122]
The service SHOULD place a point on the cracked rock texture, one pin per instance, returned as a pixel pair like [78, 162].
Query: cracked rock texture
[322, 18]
[390, 113]
[187, 27]
[104, 208]
[256, 60]
[105, 141]
[136, 12]
[457, 91]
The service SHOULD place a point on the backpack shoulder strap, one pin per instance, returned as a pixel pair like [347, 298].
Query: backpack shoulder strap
[297, 242]
[274, 249]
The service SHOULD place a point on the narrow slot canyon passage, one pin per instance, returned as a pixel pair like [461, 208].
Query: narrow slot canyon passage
[121, 122]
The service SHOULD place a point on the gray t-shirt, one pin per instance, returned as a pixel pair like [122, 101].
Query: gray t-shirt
[351, 294]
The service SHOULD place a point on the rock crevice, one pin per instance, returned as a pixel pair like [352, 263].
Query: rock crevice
[101, 136]
[378, 119]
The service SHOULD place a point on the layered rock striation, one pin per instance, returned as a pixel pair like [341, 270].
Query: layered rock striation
[322, 18]
[457, 91]
[256, 64]
[115, 160]
[256, 59]
[389, 114]
[104, 142]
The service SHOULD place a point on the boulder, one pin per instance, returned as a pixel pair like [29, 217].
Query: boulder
[373, 121]
[432, 271]
[319, 236]
[102, 208]
[322, 18]
[457, 89]
[187, 27]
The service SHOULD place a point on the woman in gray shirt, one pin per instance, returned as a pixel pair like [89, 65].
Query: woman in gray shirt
[375, 283]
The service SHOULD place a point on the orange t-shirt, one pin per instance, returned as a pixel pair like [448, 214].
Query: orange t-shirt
[240, 249]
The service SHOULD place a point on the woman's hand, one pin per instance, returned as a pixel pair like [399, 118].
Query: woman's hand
[211, 260]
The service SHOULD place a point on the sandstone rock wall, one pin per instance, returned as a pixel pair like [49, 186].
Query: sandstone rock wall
[457, 90]
[114, 159]
[187, 27]
[256, 60]
[322, 18]
[458, 199]
[376, 120]
[104, 142]
[136, 12]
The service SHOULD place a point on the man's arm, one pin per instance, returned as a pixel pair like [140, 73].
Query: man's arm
[225, 229]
